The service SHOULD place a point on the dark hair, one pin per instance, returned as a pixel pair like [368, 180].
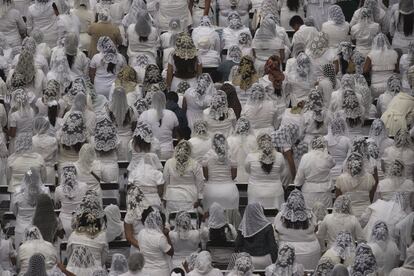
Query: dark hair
[267, 168]
[178, 270]
[296, 20]
[185, 68]
[3, 75]
[218, 236]
[143, 38]
[71, 60]
[319, 124]
[293, 5]
[172, 96]
[295, 225]
[145, 214]
[85, 220]
[144, 146]
[52, 114]
[353, 122]
[111, 68]
[408, 23]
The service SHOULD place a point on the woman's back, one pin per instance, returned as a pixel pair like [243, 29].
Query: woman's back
[97, 245]
[258, 175]
[294, 235]
[153, 245]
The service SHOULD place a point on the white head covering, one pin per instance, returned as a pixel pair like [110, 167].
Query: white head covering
[69, 182]
[183, 225]
[60, 66]
[336, 14]
[114, 224]
[154, 221]
[119, 106]
[253, 220]
[203, 263]
[119, 264]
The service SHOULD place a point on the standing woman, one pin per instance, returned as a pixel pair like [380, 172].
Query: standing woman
[295, 224]
[183, 180]
[402, 25]
[233, 29]
[11, 23]
[220, 170]
[183, 64]
[143, 38]
[242, 77]
[364, 32]
[381, 63]
[265, 168]
[336, 27]
[314, 174]
[41, 15]
[316, 116]
[241, 143]
[68, 196]
[105, 66]
[288, 9]
[87, 168]
[123, 117]
[85, 15]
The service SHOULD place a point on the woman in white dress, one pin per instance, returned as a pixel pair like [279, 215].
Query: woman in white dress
[405, 64]
[318, 10]
[82, 262]
[265, 168]
[241, 143]
[143, 38]
[45, 145]
[401, 27]
[288, 9]
[123, 116]
[286, 263]
[219, 117]
[341, 219]
[381, 63]
[394, 86]
[379, 136]
[336, 27]
[68, 196]
[206, 30]
[234, 27]
[266, 43]
[163, 123]
[88, 229]
[34, 244]
[12, 24]
[313, 174]
[226, 7]
[341, 250]
[319, 53]
[41, 15]
[220, 170]
[106, 144]
[183, 180]
[23, 159]
[260, 111]
[87, 168]
[85, 15]
[196, 99]
[23, 202]
[78, 61]
[364, 32]
[200, 140]
[384, 248]
[328, 83]
[184, 238]
[353, 111]
[295, 225]
[105, 66]
[155, 244]
[316, 119]
[357, 183]
[395, 181]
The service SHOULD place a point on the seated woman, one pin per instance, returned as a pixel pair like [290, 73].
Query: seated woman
[243, 266]
[358, 184]
[295, 225]
[342, 251]
[286, 263]
[184, 238]
[156, 246]
[341, 219]
[256, 237]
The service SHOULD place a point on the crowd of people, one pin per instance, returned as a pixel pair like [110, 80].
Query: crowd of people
[310, 104]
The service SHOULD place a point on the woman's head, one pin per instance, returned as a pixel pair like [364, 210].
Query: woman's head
[143, 136]
[324, 267]
[71, 44]
[360, 146]
[245, 39]
[380, 43]
[220, 146]
[234, 54]
[352, 108]
[344, 244]
[183, 224]
[200, 128]
[119, 264]
[234, 20]
[397, 168]
[184, 47]
[29, 44]
[267, 157]
[23, 143]
[143, 25]
[136, 262]
[394, 83]
[87, 154]
[318, 143]
[106, 135]
[303, 65]
[244, 263]
[345, 49]
[32, 233]
[204, 81]
[285, 256]
[257, 94]
[182, 155]
[203, 263]
[37, 266]
[88, 217]
[242, 126]
[402, 139]
[294, 213]
[329, 72]
[107, 48]
[379, 232]
[51, 93]
[73, 130]
[154, 221]
[25, 66]
[40, 125]
[336, 15]
[342, 205]
[218, 105]
[44, 217]
[364, 262]
[355, 164]
[119, 106]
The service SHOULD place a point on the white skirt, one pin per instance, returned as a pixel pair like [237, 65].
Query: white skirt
[225, 194]
[269, 196]
[307, 253]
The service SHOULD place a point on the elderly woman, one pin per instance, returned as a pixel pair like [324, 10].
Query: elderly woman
[242, 77]
[342, 250]
[381, 62]
[394, 86]
[34, 244]
[196, 99]
[241, 143]
[219, 117]
[143, 38]
[341, 219]
[183, 180]
[105, 65]
[336, 27]
[313, 175]
[23, 202]
[256, 237]
[260, 110]
[265, 167]
[286, 263]
[23, 159]
[203, 266]
[88, 229]
[163, 123]
[183, 64]
[220, 170]
[200, 140]
[295, 225]
[185, 239]
[155, 245]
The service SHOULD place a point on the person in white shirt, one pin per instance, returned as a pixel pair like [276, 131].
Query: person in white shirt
[304, 32]
[336, 27]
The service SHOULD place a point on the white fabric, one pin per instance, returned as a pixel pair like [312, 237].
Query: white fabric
[42, 17]
[364, 34]
[336, 33]
[30, 248]
[148, 48]
[97, 245]
[225, 127]
[239, 147]
[173, 9]
[154, 246]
